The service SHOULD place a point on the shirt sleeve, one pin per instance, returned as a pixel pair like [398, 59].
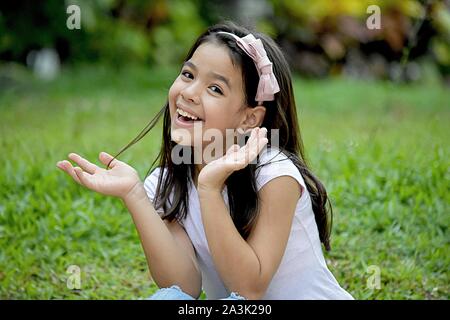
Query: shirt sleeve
[151, 182]
[274, 164]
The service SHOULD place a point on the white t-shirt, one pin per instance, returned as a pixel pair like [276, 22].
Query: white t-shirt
[302, 274]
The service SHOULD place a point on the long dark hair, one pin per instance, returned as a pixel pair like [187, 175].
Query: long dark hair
[280, 114]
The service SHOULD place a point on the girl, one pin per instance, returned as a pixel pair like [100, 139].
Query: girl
[236, 224]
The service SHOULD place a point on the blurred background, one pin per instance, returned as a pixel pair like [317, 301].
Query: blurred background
[320, 38]
[373, 110]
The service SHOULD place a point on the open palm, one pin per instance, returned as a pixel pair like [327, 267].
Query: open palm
[117, 181]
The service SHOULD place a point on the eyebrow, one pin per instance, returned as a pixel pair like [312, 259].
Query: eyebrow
[211, 73]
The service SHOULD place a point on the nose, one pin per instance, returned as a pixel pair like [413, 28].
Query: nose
[191, 93]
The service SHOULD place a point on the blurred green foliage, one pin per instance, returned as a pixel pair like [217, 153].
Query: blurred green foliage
[320, 37]
[115, 32]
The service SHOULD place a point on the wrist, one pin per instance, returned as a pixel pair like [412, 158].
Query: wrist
[136, 193]
[204, 190]
[210, 186]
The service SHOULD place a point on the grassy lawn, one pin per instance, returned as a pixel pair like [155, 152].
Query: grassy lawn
[381, 149]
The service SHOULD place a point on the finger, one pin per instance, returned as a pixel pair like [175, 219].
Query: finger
[263, 132]
[250, 138]
[83, 163]
[232, 152]
[252, 141]
[84, 178]
[256, 145]
[261, 141]
[241, 156]
[232, 149]
[247, 153]
[68, 168]
[107, 159]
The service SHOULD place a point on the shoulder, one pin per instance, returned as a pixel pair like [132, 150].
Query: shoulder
[151, 182]
[153, 176]
[274, 163]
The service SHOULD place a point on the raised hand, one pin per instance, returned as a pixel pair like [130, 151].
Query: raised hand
[214, 174]
[118, 181]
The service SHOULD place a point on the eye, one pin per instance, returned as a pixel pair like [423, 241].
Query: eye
[187, 74]
[216, 89]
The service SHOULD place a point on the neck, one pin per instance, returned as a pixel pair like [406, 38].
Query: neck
[198, 167]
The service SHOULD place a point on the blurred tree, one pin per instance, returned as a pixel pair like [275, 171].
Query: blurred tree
[26, 25]
[176, 33]
[330, 36]
[441, 43]
[319, 37]
[116, 32]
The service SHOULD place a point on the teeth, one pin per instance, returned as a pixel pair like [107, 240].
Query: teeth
[186, 114]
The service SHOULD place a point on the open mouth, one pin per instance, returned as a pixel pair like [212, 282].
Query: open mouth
[186, 116]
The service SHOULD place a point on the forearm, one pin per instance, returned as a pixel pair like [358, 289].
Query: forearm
[168, 262]
[235, 260]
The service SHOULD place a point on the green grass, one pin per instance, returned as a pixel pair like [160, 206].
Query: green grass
[381, 149]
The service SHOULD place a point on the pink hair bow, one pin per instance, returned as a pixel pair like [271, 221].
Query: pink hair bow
[254, 48]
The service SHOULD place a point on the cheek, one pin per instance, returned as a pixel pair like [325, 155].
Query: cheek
[174, 91]
[222, 115]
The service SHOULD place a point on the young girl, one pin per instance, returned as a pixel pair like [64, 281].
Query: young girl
[247, 223]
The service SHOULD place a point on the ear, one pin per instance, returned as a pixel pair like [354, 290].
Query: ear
[253, 118]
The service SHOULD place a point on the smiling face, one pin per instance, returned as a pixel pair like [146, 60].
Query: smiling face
[207, 94]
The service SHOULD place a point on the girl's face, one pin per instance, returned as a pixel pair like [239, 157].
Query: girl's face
[208, 94]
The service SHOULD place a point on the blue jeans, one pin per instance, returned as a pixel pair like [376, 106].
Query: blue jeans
[175, 293]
